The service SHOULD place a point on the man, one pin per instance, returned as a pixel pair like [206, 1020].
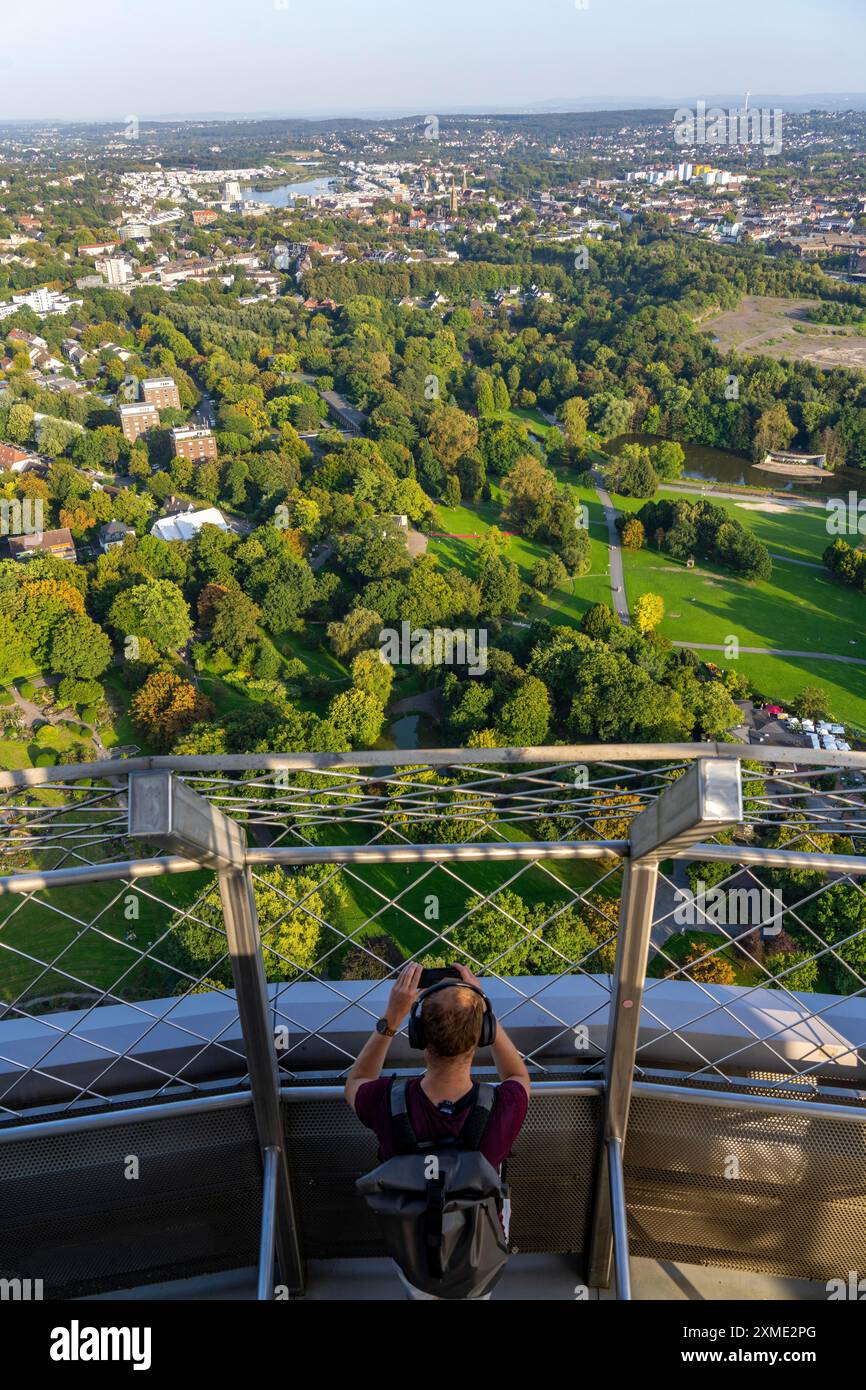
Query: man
[439, 1102]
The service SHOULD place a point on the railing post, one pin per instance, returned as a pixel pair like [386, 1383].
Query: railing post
[704, 801]
[244, 943]
[165, 812]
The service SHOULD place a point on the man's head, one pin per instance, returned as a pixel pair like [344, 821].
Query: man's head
[452, 1022]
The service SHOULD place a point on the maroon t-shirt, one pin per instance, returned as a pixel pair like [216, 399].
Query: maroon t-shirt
[506, 1118]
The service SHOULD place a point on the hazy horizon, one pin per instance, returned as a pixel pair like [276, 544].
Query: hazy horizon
[212, 59]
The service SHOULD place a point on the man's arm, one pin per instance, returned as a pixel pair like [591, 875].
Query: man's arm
[508, 1061]
[506, 1058]
[372, 1056]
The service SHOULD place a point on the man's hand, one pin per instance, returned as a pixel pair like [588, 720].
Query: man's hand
[371, 1058]
[468, 978]
[404, 992]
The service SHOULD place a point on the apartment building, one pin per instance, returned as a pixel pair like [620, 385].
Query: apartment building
[160, 391]
[137, 419]
[194, 444]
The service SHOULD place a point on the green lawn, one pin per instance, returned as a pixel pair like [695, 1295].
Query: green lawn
[467, 526]
[53, 929]
[798, 608]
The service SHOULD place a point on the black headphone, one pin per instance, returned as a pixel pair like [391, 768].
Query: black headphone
[416, 1022]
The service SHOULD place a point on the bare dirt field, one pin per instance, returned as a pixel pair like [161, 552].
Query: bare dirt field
[773, 328]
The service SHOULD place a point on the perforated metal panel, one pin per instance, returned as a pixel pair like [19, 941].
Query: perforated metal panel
[550, 1175]
[69, 1216]
[778, 1193]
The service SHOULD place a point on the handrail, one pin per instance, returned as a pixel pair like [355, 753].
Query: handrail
[431, 757]
[619, 1220]
[268, 1237]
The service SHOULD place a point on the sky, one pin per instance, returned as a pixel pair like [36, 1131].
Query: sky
[108, 59]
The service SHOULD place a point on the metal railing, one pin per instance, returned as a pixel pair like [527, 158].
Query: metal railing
[187, 927]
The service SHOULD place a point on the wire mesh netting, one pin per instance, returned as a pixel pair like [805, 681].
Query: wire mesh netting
[540, 900]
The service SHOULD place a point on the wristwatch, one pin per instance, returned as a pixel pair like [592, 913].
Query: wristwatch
[382, 1027]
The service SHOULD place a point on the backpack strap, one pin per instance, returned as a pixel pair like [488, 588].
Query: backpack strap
[473, 1131]
[403, 1136]
[433, 1225]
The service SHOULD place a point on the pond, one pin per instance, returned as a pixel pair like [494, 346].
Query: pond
[286, 193]
[721, 466]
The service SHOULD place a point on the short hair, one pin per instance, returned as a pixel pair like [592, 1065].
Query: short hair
[452, 1020]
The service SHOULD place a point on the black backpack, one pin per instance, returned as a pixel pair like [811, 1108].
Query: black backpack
[438, 1203]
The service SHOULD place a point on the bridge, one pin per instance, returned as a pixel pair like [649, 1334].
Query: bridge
[193, 950]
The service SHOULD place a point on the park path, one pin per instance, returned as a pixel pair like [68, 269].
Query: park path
[789, 560]
[709, 490]
[618, 595]
[617, 574]
[33, 713]
[776, 651]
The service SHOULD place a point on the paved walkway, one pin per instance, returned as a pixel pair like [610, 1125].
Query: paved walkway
[776, 651]
[617, 576]
[789, 560]
[710, 490]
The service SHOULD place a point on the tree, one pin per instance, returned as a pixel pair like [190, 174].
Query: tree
[235, 621]
[648, 613]
[667, 458]
[529, 489]
[612, 415]
[773, 430]
[356, 716]
[373, 675]
[468, 703]
[79, 648]
[359, 629]
[548, 573]
[472, 475]
[292, 906]
[19, 423]
[451, 495]
[633, 534]
[166, 707]
[574, 416]
[631, 473]
[157, 611]
[798, 971]
[716, 969]
[524, 719]
[451, 433]
[500, 587]
[599, 621]
[811, 703]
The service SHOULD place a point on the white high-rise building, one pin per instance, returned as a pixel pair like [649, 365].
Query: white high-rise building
[232, 191]
[116, 270]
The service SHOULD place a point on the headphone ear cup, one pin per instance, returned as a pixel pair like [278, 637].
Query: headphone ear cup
[416, 1030]
[488, 1027]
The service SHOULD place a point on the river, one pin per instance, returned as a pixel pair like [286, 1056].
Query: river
[721, 466]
